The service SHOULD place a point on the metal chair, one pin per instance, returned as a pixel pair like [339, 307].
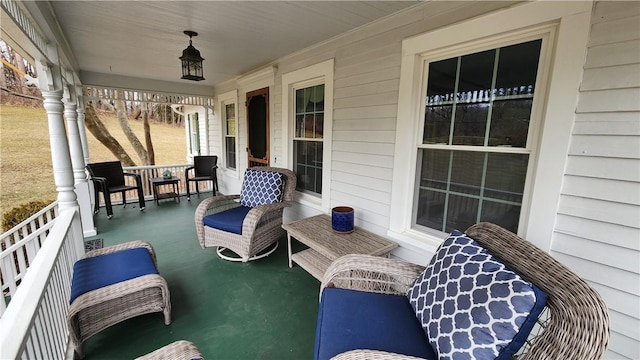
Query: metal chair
[108, 178]
[204, 169]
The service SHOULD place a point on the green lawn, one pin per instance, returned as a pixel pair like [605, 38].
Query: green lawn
[26, 173]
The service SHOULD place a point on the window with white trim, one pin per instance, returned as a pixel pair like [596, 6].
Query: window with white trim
[307, 116]
[474, 155]
[194, 133]
[230, 130]
[308, 138]
[564, 31]
[228, 117]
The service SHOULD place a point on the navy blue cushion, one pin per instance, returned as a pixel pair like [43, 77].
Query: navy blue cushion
[261, 187]
[103, 270]
[471, 305]
[228, 220]
[350, 320]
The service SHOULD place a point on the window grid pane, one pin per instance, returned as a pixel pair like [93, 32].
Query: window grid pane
[460, 188]
[230, 153]
[230, 132]
[464, 92]
[308, 166]
[307, 142]
[309, 112]
[482, 100]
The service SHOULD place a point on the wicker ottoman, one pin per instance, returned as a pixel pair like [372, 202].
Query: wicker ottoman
[179, 350]
[98, 309]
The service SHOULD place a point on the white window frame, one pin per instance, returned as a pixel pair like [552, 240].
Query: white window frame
[567, 25]
[228, 98]
[194, 133]
[321, 73]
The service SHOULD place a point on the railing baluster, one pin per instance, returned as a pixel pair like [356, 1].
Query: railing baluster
[34, 325]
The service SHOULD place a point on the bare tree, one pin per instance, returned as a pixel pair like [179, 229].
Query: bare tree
[147, 138]
[121, 113]
[97, 128]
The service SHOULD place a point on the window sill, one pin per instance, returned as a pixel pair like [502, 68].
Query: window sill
[310, 201]
[416, 240]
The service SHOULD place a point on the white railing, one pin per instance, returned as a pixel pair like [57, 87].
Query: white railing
[151, 171]
[19, 247]
[34, 324]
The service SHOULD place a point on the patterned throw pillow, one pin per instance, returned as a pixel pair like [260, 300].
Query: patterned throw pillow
[261, 187]
[471, 305]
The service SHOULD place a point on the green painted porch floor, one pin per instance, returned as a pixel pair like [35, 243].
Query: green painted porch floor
[258, 310]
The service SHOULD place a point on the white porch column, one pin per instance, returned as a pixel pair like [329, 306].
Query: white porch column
[78, 163]
[81, 126]
[60, 158]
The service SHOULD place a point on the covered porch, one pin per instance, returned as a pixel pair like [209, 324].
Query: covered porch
[258, 310]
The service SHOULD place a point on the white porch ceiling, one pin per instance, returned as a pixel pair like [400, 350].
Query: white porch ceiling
[143, 39]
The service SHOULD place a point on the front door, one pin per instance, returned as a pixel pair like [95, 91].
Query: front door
[258, 127]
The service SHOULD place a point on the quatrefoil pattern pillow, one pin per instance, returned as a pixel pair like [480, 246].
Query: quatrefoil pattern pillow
[261, 187]
[471, 305]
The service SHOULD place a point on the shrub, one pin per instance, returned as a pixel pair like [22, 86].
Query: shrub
[21, 213]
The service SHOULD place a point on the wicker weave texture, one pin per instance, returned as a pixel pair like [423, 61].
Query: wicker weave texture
[372, 355]
[96, 310]
[261, 227]
[574, 326]
[179, 350]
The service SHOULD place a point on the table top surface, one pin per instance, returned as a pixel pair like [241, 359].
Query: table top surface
[162, 179]
[317, 233]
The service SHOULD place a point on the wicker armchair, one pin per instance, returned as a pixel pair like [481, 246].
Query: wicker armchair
[574, 325]
[260, 228]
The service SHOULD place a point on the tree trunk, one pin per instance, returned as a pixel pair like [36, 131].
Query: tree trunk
[126, 128]
[97, 128]
[147, 138]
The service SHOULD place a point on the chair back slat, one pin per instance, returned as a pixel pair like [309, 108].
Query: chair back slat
[111, 170]
[203, 164]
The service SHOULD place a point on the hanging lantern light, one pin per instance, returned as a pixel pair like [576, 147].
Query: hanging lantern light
[191, 61]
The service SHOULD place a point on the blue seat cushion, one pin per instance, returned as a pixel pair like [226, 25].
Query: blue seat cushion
[229, 220]
[350, 320]
[471, 305]
[103, 270]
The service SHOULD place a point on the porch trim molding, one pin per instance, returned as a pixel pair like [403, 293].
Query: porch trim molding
[93, 92]
[20, 19]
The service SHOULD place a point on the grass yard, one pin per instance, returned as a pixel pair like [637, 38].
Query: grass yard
[26, 173]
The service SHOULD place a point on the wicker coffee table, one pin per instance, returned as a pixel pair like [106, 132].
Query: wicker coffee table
[325, 245]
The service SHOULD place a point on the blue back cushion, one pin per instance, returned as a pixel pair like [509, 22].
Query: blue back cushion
[103, 270]
[349, 320]
[261, 187]
[471, 305]
[229, 220]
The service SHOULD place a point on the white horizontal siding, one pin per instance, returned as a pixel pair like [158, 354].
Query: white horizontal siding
[601, 167]
[597, 231]
[620, 123]
[598, 216]
[593, 230]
